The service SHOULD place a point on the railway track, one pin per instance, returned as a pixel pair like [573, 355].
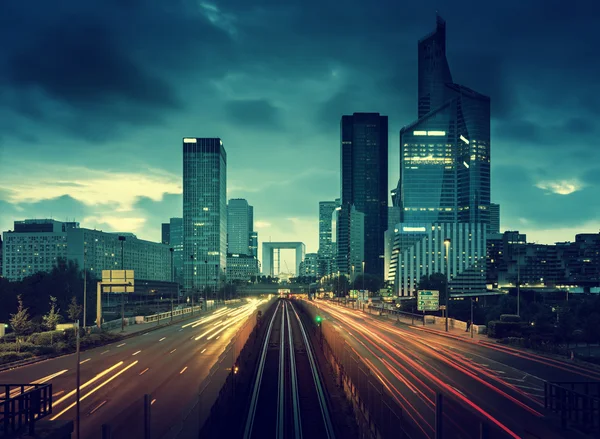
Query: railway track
[288, 398]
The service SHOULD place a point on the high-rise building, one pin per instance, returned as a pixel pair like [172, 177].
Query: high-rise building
[309, 266]
[445, 154]
[204, 212]
[350, 240]
[254, 244]
[364, 181]
[242, 267]
[239, 226]
[1, 270]
[419, 250]
[326, 252]
[37, 244]
[494, 218]
[176, 243]
[165, 233]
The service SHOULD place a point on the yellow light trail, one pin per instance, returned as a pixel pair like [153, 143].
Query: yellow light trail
[95, 389]
[84, 385]
[42, 380]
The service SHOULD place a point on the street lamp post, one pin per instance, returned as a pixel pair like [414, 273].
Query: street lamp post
[122, 239]
[204, 295]
[172, 250]
[193, 283]
[447, 246]
[363, 275]
[519, 282]
[84, 287]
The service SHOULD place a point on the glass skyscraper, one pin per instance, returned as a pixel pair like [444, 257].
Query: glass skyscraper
[445, 154]
[204, 212]
[240, 217]
[364, 182]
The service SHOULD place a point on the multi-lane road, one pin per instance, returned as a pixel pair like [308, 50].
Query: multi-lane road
[169, 364]
[483, 380]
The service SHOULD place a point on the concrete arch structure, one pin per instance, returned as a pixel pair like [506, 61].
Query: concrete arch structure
[268, 250]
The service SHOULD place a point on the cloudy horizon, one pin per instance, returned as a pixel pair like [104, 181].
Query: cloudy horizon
[95, 98]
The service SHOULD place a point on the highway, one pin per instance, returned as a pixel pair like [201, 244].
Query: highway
[288, 398]
[168, 363]
[481, 380]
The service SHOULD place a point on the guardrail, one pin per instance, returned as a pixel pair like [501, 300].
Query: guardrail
[21, 405]
[576, 403]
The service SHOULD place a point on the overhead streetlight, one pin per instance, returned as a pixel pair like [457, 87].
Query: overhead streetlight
[447, 242]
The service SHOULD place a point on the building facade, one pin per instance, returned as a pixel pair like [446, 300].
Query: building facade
[494, 218]
[419, 250]
[445, 154]
[326, 252]
[242, 267]
[309, 267]
[204, 211]
[240, 225]
[364, 182]
[350, 239]
[165, 233]
[176, 243]
[36, 245]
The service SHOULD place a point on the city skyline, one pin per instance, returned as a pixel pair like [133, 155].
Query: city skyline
[128, 177]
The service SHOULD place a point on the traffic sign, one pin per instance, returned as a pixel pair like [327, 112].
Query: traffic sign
[428, 300]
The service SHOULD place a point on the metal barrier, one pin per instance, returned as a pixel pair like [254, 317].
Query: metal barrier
[167, 315]
[576, 403]
[21, 405]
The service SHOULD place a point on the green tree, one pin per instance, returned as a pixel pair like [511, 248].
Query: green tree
[20, 322]
[74, 310]
[52, 318]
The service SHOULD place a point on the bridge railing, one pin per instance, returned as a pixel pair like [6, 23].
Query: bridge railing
[576, 403]
[21, 405]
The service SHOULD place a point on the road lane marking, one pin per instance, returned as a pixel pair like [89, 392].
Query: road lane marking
[105, 352]
[183, 370]
[144, 371]
[122, 344]
[498, 371]
[87, 383]
[173, 351]
[162, 339]
[95, 389]
[98, 407]
[58, 393]
[135, 353]
[85, 361]
[153, 401]
[179, 331]
[203, 350]
[217, 337]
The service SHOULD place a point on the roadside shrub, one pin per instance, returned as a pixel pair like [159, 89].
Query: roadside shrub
[46, 338]
[9, 357]
[9, 347]
[499, 329]
[510, 318]
[9, 338]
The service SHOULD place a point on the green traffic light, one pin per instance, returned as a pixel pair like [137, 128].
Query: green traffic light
[318, 319]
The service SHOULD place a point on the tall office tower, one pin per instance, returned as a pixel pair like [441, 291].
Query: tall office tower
[350, 239]
[165, 233]
[239, 226]
[176, 243]
[494, 218]
[254, 244]
[364, 180]
[445, 154]
[204, 212]
[326, 253]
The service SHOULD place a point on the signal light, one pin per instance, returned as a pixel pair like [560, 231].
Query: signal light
[318, 319]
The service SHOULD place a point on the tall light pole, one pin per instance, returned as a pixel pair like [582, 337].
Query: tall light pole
[172, 250]
[84, 285]
[192, 258]
[122, 239]
[363, 275]
[204, 295]
[447, 246]
[519, 282]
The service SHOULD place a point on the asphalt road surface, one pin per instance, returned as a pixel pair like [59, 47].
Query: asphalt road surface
[169, 364]
[482, 380]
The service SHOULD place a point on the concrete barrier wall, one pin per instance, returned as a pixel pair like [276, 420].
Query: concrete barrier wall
[454, 323]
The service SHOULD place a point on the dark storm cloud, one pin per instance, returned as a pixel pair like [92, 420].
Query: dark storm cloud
[101, 65]
[254, 113]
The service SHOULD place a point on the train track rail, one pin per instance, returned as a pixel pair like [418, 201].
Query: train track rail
[288, 398]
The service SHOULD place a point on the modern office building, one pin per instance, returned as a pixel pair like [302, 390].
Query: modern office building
[419, 250]
[445, 154]
[350, 238]
[176, 243]
[1, 268]
[254, 244]
[326, 250]
[494, 218]
[364, 182]
[241, 267]
[204, 211]
[36, 245]
[240, 225]
[165, 229]
[309, 267]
